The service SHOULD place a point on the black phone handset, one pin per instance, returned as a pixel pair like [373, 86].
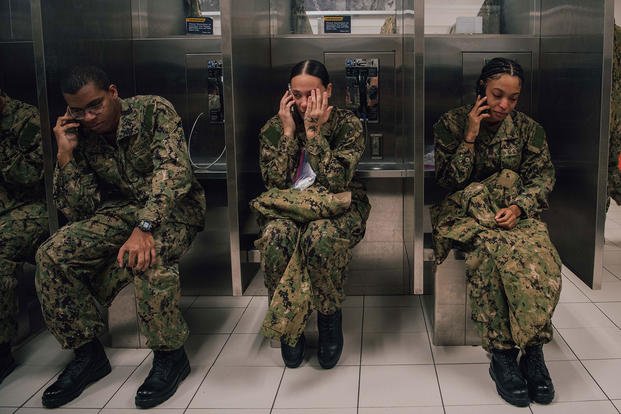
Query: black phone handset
[481, 87]
[299, 122]
[295, 113]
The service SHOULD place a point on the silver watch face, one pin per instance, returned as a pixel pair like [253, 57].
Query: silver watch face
[145, 226]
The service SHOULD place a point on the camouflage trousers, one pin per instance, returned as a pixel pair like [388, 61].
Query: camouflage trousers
[514, 276]
[77, 268]
[320, 249]
[22, 230]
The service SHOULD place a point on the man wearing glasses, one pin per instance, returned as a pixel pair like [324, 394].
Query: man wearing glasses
[123, 179]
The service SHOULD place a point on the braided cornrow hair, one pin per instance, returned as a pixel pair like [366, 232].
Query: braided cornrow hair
[500, 66]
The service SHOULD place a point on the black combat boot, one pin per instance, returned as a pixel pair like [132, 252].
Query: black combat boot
[510, 384]
[169, 369]
[533, 367]
[293, 355]
[89, 365]
[7, 362]
[330, 338]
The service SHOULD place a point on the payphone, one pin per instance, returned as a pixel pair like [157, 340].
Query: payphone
[215, 92]
[362, 88]
[362, 97]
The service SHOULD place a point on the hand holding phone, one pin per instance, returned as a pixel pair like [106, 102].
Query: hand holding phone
[479, 111]
[286, 114]
[481, 93]
[66, 133]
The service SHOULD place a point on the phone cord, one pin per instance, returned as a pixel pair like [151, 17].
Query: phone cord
[189, 147]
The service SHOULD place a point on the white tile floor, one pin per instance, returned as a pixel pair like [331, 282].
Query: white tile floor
[388, 365]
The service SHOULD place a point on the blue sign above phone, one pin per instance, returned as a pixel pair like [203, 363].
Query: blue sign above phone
[199, 25]
[337, 24]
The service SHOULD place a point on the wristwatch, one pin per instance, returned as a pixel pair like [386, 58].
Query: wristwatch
[145, 226]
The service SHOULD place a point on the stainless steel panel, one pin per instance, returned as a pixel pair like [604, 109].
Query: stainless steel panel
[17, 71]
[246, 59]
[161, 18]
[15, 20]
[5, 20]
[572, 25]
[69, 20]
[519, 17]
[177, 70]
[575, 137]
[417, 269]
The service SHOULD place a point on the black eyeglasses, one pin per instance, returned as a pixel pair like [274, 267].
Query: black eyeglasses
[94, 109]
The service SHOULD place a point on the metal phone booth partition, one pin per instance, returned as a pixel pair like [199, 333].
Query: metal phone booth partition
[363, 48]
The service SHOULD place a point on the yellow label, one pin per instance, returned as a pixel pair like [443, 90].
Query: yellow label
[333, 18]
[195, 19]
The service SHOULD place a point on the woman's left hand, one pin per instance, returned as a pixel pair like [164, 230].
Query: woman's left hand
[507, 218]
[317, 112]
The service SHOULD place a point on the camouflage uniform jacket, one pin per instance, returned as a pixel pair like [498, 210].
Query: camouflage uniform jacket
[333, 155]
[614, 176]
[519, 144]
[148, 165]
[21, 155]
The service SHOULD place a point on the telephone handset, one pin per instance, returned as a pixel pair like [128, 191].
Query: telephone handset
[215, 91]
[481, 87]
[299, 122]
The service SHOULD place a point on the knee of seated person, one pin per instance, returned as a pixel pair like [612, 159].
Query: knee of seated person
[45, 253]
[280, 229]
[508, 178]
[474, 189]
[318, 238]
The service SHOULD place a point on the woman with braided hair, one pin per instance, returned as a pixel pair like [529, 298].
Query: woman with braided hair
[496, 164]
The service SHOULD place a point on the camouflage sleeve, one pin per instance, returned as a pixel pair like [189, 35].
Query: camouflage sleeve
[336, 167]
[277, 155]
[172, 170]
[537, 173]
[76, 191]
[21, 150]
[453, 158]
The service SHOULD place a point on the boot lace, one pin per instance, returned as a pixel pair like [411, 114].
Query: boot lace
[535, 363]
[327, 326]
[162, 364]
[77, 365]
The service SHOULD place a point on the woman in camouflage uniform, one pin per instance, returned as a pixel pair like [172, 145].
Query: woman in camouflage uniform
[496, 163]
[309, 152]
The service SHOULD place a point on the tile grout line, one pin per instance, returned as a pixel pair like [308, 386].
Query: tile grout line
[217, 356]
[433, 359]
[126, 379]
[360, 359]
[585, 368]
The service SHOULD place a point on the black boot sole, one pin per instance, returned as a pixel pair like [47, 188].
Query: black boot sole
[331, 363]
[6, 371]
[157, 400]
[541, 399]
[518, 402]
[95, 375]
